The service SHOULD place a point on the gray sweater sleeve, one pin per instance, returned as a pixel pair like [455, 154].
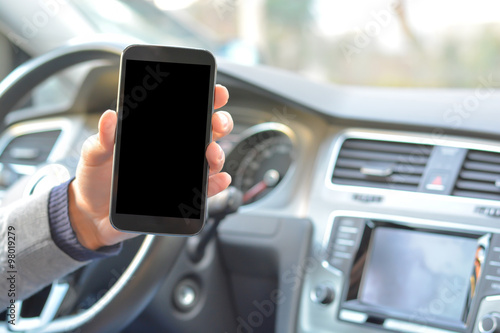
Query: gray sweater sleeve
[63, 234]
[36, 260]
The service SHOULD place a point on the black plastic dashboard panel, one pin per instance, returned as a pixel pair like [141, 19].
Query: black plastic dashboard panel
[274, 248]
[249, 280]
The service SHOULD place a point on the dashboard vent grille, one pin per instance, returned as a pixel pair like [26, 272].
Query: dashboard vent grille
[479, 176]
[381, 164]
[30, 149]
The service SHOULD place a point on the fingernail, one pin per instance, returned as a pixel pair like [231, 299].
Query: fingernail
[221, 154]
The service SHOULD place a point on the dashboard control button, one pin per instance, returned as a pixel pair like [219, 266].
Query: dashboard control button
[186, 295]
[490, 323]
[488, 211]
[323, 294]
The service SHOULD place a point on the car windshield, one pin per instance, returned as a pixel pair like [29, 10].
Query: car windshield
[399, 43]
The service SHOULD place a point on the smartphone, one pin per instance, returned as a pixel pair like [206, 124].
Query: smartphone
[160, 172]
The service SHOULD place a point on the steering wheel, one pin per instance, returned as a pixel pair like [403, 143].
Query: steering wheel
[155, 257]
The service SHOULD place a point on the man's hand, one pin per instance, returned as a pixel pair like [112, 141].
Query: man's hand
[89, 193]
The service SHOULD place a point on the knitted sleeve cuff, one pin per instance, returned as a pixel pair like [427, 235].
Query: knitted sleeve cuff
[63, 234]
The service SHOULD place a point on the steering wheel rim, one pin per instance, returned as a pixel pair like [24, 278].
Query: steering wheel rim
[155, 257]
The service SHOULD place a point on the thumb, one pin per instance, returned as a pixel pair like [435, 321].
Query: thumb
[107, 127]
[98, 148]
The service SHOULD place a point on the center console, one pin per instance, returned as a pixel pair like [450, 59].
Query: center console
[406, 275]
[407, 235]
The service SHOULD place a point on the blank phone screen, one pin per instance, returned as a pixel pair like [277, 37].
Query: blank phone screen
[163, 139]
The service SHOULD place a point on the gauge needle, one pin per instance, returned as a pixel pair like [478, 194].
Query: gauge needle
[271, 178]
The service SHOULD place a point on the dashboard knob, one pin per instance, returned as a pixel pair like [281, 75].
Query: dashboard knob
[186, 295]
[490, 323]
[322, 294]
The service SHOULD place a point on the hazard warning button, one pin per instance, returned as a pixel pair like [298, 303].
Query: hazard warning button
[442, 170]
[437, 181]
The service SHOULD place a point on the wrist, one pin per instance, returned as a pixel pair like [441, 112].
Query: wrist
[81, 222]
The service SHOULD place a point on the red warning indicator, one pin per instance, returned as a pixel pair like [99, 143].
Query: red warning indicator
[438, 180]
[436, 183]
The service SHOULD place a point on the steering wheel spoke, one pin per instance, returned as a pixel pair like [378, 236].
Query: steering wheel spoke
[54, 300]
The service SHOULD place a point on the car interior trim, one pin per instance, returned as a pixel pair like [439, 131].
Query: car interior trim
[413, 138]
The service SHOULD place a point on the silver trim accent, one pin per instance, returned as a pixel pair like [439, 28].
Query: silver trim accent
[331, 269]
[403, 326]
[495, 316]
[377, 170]
[265, 127]
[489, 304]
[61, 145]
[353, 316]
[23, 169]
[54, 301]
[495, 298]
[61, 149]
[414, 138]
[404, 220]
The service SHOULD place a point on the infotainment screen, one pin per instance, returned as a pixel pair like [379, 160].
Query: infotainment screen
[418, 274]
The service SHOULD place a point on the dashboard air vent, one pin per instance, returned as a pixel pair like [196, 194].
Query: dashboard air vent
[479, 176]
[30, 149]
[381, 164]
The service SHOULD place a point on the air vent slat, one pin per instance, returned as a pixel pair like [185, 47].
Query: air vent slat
[358, 164]
[396, 178]
[481, 156]
[479, 176]
[477, 195]
[392, 186]
[389, 147]
[481, 166]
[350, 163]
[477, 186]
[410, 169]
[381, 164]
[385, 157]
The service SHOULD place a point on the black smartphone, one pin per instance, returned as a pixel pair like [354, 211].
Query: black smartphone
[160, 172]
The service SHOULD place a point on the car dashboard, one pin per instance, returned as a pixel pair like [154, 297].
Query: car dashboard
[365, 209]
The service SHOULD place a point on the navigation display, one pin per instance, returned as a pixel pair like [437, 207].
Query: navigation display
[418, 274]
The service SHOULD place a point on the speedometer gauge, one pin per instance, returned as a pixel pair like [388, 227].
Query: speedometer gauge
[261, 160]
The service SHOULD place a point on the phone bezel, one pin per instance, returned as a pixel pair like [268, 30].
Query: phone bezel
[161, 224]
